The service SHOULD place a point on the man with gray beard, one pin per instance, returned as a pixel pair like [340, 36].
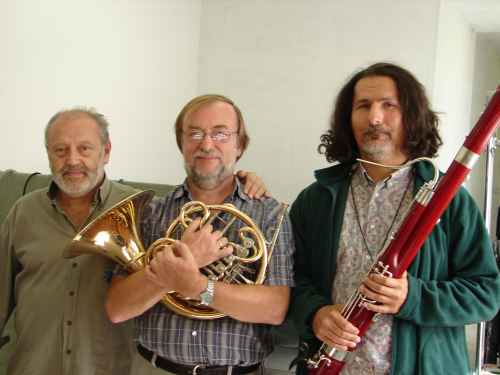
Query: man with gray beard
[60, 321]
[59, 317]
[211, 135]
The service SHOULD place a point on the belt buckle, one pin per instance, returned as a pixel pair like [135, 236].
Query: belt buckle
[153, 360]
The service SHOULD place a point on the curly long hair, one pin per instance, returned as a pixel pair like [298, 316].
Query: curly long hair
[419, 120]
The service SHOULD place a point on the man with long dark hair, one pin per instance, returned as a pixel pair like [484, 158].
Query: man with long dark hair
[342, 221]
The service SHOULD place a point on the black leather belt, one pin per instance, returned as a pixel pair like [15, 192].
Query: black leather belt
[200, 369]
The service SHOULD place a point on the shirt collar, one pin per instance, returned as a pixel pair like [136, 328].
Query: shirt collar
[397, 176]
[182, 191]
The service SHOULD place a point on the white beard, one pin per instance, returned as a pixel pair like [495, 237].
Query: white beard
[79, 189]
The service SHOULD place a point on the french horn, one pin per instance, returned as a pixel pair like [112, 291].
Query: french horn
[115, 234]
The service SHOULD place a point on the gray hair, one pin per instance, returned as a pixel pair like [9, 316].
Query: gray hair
[91, 112]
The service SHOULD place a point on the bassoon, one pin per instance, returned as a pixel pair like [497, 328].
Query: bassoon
[397, 255]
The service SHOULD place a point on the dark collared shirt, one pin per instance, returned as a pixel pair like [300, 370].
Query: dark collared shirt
[223, 341]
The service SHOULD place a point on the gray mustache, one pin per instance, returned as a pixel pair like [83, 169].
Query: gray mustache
[73, 169]
[375, 131]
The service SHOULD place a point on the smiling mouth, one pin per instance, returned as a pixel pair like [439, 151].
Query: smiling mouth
[207, 158]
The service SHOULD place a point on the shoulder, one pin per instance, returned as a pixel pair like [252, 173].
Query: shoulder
[264, 210]
[122, 189]
[312, 190]
[315, 196]
[328, 181]
[463, 205]
[35, 197]
[28, 206]
[162, 207]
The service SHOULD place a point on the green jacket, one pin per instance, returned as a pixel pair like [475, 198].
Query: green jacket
[453, 280]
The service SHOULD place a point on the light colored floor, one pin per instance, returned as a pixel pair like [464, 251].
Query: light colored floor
[285, 350]
[279, 361]
[471, 334]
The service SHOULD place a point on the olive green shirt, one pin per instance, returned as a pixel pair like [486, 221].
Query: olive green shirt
[60, 321]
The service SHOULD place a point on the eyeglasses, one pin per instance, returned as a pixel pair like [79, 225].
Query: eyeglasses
[221, 136]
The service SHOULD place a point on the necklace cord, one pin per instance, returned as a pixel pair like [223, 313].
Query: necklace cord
[358, 218]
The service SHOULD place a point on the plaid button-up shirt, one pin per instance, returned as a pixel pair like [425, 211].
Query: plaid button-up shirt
[224, 341]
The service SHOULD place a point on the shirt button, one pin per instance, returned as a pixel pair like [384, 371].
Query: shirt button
[194, 333]
[71, 293]
[74, 265]
[68, 351]
[69, 322]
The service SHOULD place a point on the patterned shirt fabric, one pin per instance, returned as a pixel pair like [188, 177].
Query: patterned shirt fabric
[60, 321]
[379, 209]
[223, 341]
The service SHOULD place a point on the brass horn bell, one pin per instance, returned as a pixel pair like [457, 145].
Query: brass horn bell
[116, 234]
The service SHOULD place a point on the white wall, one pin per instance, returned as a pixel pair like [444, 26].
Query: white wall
[453, 80]
[486, 80]
[284, 61]
[136, 61]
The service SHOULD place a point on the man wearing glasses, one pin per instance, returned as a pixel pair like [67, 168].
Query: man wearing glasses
[211, 135]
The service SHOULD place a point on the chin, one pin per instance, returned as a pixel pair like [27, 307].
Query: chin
[75, 189]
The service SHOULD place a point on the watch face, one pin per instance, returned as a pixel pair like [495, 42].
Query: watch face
[207, 296]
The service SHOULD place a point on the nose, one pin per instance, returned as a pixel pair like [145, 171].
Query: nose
[73, 156]
[376, 115]
[206, 143]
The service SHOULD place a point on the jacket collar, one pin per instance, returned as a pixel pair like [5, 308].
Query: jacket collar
[334, 174]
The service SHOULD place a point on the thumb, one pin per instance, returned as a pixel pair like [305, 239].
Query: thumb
[183, 251]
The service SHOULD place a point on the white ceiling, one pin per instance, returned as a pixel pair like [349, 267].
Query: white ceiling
[483, 15]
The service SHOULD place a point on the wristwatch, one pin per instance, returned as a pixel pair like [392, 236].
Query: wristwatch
[207, 296]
